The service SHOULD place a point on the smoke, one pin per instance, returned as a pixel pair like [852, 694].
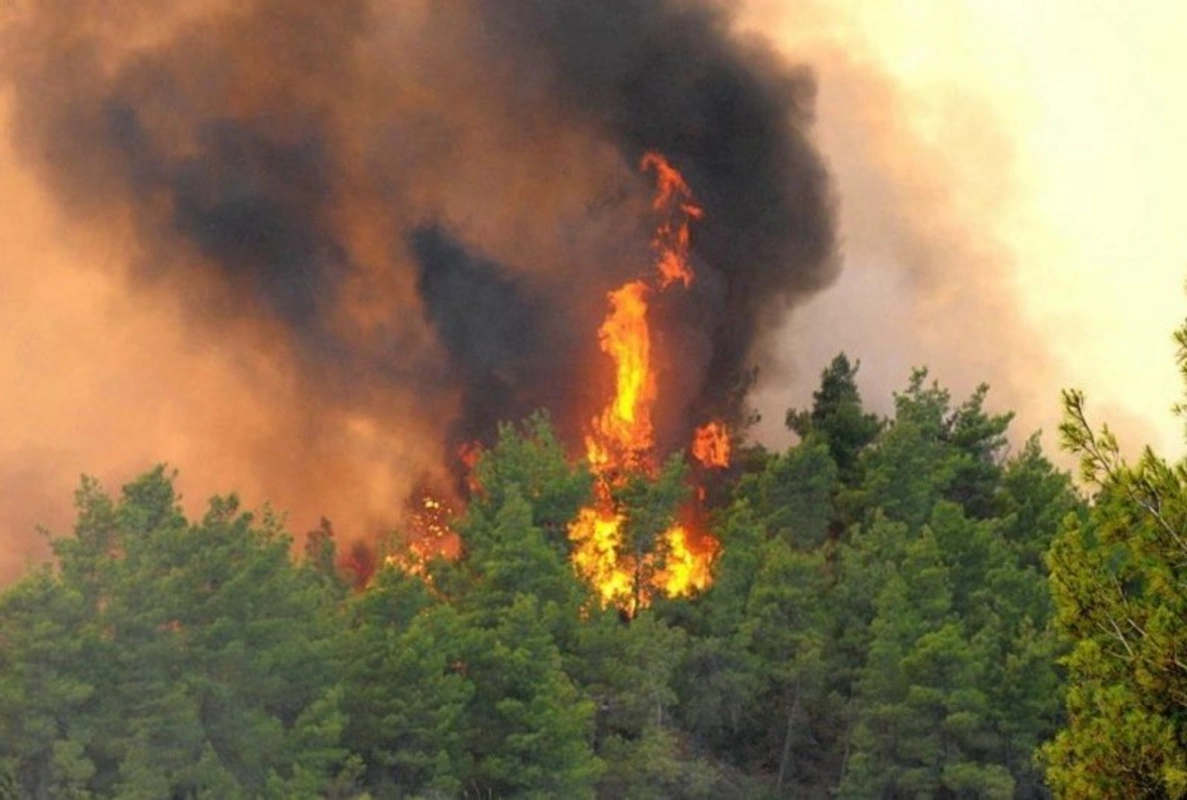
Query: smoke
[934, 193]
[329, 242]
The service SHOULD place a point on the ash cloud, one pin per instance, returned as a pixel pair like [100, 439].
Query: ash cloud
[671, 77]
[508, 351]
[404, 217]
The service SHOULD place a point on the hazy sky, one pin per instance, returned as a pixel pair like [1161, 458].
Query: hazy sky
[1011, 184]
[1041, 141]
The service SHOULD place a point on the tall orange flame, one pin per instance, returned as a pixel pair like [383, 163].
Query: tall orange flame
[621, 437]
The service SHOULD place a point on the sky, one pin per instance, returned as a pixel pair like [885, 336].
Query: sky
[1011, 188]
[1040, 143]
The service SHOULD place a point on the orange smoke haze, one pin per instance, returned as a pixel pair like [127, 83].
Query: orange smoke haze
[972, 239]
[107, 381]
[305, 251]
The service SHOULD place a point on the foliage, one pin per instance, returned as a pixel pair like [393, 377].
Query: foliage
[1118, 576]
[879, 625]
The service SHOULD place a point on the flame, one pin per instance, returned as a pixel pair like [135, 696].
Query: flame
[673, 198]
[597, 536]
[711, 445]
[470, 453]
[620, 443]
[621, 437]
[685, 570]
[622, 434]
[428, 535]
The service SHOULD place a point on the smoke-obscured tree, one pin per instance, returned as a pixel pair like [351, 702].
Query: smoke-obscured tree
[1118, 578]
[321, 558]
[837, 417]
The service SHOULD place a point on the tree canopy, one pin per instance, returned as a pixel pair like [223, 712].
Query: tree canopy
[880, 624]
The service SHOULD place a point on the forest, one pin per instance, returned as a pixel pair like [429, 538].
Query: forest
[901, 607]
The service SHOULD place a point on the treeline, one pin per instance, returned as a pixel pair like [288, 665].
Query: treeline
[881, 624]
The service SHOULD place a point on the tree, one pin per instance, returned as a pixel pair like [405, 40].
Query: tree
[649, 508]
[527, 727]
[784, 630]
[1118, 577]
[932, 452]
[531, 459]
[194, 657]
[922, 720]
[43, 693]
[837, 417]
[793, 494]
[405, 692]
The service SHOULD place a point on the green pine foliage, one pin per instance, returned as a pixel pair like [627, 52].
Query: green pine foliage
[1118, 575]
[881, 624]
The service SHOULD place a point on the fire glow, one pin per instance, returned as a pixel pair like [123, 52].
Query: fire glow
[621, 440]
[620, 443]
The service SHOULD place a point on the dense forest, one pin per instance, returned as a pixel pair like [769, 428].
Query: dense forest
[902, 607]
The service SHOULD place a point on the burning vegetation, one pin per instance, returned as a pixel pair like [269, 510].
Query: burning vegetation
[402, 214]
[621, 440]
[406, 224]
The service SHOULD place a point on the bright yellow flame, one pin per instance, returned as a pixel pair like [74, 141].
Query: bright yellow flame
[621, 437]
[597, 537]
[625, 337]
[685, 571]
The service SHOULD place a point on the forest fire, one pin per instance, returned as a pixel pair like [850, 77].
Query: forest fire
[399, 231]
[626, 564]
[619, 445]
[621, 441]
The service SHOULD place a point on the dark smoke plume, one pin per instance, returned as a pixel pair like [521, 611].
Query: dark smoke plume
[416, 208]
